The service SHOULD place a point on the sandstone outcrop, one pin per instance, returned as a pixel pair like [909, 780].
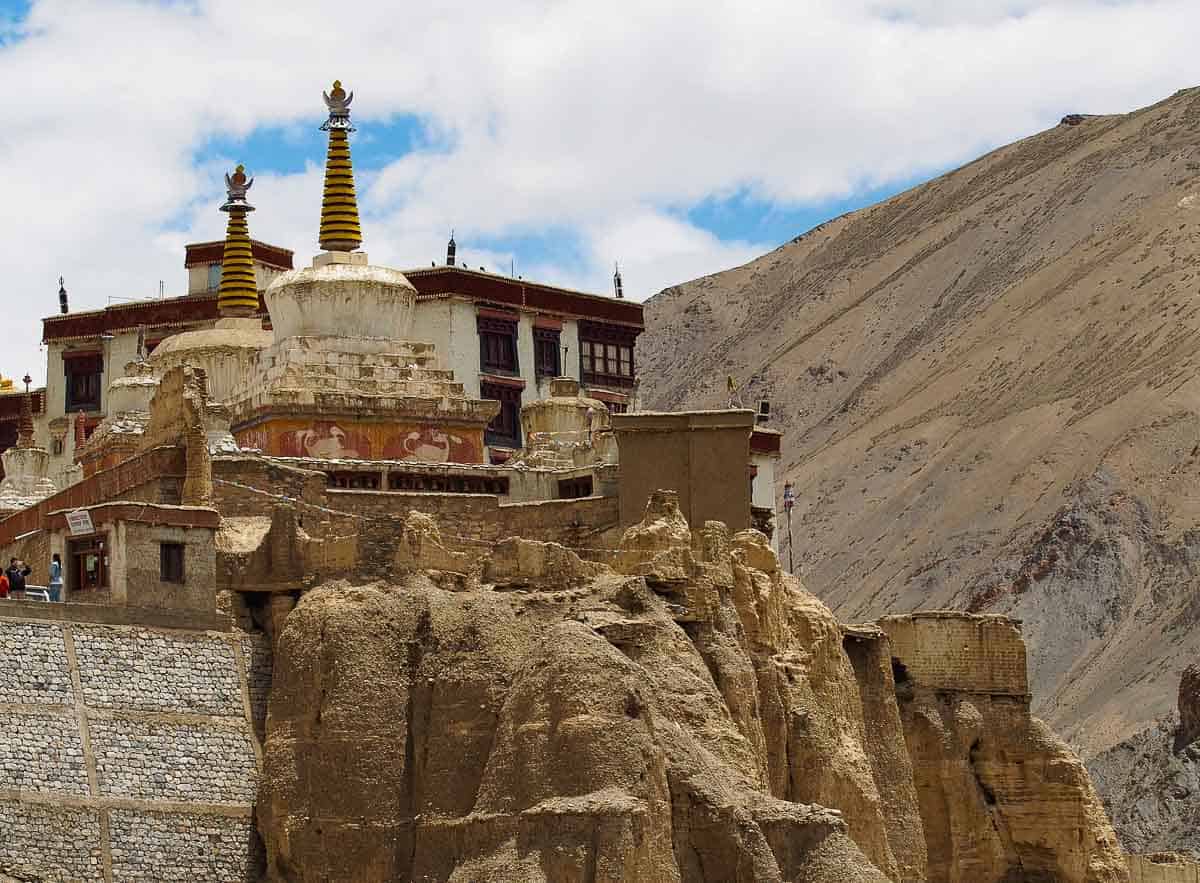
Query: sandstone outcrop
[691, 714]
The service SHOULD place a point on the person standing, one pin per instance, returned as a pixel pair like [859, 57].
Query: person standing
[56, 578]
[16, 573]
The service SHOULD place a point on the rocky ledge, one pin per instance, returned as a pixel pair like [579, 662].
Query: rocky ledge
[683, 712]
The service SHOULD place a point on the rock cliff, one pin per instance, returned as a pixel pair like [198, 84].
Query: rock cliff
[686, 713]
[990, 397]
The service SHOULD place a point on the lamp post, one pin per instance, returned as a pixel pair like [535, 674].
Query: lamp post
[789, 500]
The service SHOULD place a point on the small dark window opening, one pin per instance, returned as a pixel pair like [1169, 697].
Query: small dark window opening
[574, 488]
[354, 481]
[170, 562]
[899, 671]
[84, 375]
[498, 346]
[546, 352]
[505, 429]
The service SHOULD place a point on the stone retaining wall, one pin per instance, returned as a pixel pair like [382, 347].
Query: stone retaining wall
[130, 753]
[1162, 868]
[965, 652]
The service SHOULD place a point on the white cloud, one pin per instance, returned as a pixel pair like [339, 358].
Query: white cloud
[593, 119]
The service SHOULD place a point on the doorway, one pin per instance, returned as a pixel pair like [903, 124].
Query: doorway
[88, 557]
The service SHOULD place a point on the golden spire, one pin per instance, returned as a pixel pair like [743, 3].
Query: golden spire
[238, 294]
[339, 206]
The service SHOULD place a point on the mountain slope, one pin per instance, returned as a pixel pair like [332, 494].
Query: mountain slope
[988, 388]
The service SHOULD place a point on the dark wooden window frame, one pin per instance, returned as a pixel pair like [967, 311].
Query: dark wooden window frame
[547, 352]
[505, 428]
[498, 346]
[606, 354]
[84, 373]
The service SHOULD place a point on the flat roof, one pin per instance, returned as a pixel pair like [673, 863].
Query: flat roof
[197, 253]
[430, 282]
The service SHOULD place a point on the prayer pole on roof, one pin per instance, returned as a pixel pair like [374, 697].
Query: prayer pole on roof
[238, 294]
[340, 230]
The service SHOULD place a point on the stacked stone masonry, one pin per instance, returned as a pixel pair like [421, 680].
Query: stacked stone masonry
[130, 753]
[970, 654]
[52, 842]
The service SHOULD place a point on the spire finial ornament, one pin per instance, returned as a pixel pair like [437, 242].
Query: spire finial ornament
[451, 250]
[62, 296]
[618, 285]
[25, 426]
[238, 294]
[340, 230]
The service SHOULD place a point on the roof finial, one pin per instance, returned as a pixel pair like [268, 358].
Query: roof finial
[340, 230]
[62, 296]
[618, 287]
[25, 426]
[451, 250]
[238, 293]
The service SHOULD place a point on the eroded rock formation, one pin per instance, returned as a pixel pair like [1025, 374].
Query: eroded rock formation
[688, 714]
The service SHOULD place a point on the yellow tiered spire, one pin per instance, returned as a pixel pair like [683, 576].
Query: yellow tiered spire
[339, 206]
[238, 294]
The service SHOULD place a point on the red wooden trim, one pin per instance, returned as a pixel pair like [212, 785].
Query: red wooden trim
[435, 281]
[605, 396]
[107, 513]
[765, 442]
[82, 354]
[502, 315]
[498, 380]
[197, 253]
[547, 323]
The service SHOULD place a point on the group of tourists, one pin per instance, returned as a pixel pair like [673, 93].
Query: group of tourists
[12, 580]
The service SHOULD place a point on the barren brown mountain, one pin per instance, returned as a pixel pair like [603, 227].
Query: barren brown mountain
[990, 392]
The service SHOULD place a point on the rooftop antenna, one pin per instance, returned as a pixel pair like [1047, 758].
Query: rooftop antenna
[451, 249]
[62, 296]
[618, 287]
[512, 267]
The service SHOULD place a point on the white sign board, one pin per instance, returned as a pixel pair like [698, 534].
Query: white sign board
[80, 522]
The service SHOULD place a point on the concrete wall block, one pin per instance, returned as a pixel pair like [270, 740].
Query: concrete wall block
[198, 763]
[155, 671]
[41, 753]
[39, 674]
[183, 847]
[40, 838]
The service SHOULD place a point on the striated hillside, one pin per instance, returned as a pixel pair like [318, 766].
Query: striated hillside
[990, 392]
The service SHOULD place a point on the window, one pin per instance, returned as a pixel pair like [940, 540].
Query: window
[574, 488]
[170, 562]
[606, 354]
[546, 352]
[505, 428]
[497, 346]
[214, 276]
[84, 373]
[617, 407]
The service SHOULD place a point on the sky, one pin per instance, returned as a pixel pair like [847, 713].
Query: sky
[554, 138]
